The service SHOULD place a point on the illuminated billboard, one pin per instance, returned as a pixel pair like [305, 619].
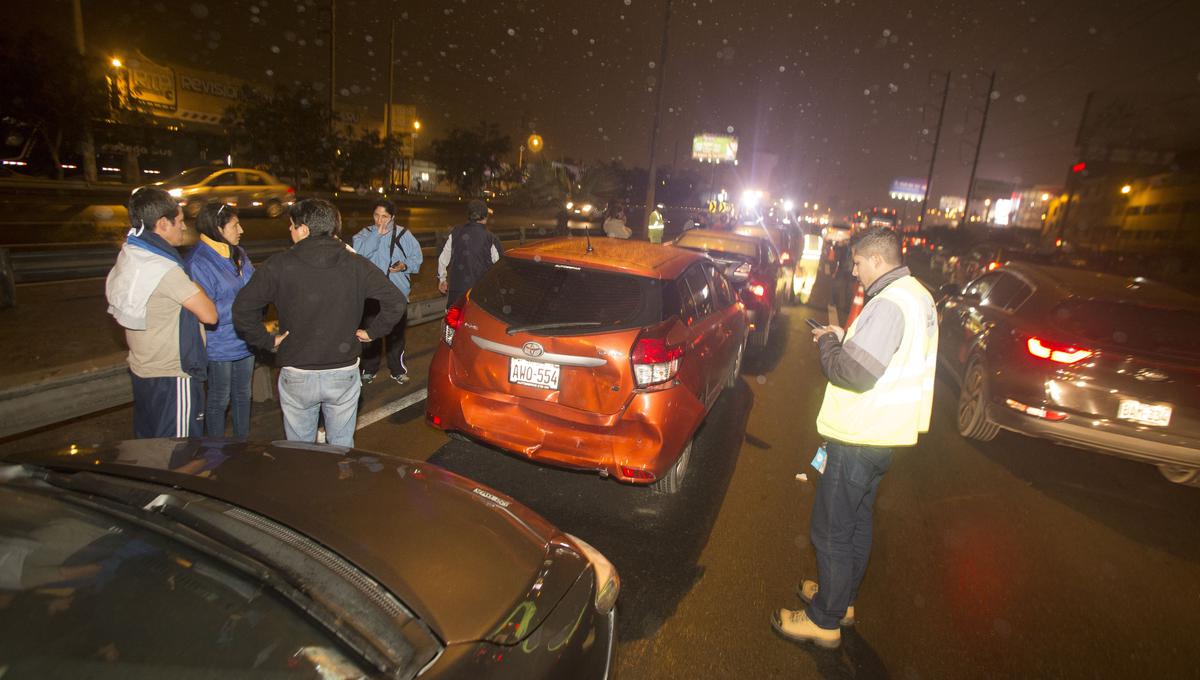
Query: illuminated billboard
[908, 190]
[714, 148]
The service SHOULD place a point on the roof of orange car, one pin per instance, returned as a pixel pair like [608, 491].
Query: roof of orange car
[619, 255]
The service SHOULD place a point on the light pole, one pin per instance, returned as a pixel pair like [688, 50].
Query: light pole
[416, 129]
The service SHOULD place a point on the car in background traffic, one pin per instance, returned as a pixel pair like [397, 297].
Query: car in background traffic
[1083, 358]
[247, 189]
[207, 558]
[754, 269]
[967, 263]
[604, 356]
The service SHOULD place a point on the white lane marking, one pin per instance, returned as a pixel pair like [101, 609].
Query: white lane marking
[386, 410]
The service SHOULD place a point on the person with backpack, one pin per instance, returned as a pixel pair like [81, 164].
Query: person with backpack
[395, 251]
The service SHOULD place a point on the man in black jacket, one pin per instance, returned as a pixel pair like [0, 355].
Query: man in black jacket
[318, 287]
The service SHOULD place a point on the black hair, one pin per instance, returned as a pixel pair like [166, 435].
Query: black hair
[881, 241]
[318, 215]
[212, 219]
[149, 204]
[387, 205]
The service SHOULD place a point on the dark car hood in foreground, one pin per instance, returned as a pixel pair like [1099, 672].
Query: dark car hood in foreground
[461, 555]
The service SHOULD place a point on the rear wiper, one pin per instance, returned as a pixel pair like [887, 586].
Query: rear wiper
[513, 330]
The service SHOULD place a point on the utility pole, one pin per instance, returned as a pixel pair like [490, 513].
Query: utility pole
[987, 105]
[332, 62]
[937, 138]
[651, 179]
[387, 115]
[1069, 184]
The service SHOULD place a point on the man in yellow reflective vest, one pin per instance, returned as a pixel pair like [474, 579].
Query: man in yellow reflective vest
[655, 225]
[879, 397]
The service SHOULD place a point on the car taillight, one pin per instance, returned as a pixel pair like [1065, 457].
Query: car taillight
[654, 360]
[291, 191]
[1063, 354]
[993, 265]
[785, 258]
[757, 289]
[454, 317]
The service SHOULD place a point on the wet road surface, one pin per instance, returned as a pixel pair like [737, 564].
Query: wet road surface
[1010, 559]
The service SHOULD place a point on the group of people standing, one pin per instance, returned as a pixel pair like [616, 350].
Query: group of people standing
[197, 321]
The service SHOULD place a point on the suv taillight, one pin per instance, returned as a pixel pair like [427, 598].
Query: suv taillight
[654, 360]
[454, 317]
[1063, 354]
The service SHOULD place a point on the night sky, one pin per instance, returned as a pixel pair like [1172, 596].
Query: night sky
[835, 89]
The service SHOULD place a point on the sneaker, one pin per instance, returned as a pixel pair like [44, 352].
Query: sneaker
[367, 377]
[795, 626]
[807, 590]
[401, 379]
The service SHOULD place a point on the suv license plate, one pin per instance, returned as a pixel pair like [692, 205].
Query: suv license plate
[533, 373]
[1148, 414]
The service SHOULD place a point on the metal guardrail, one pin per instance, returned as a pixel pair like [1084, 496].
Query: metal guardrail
[47, 264]
[63, 398]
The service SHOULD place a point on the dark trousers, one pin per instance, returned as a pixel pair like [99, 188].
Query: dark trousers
[841, 526]
[372, 352]
[167, 407]
[228, 386]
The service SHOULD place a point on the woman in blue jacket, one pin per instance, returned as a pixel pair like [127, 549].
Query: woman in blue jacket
[221, 267]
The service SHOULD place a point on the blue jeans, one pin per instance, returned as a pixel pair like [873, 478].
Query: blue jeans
[228, 381]
[332, 393]
[841, 526]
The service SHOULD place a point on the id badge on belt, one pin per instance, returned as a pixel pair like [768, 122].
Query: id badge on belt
[819, 460]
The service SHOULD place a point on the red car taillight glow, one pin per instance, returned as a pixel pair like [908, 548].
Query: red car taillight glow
[654, 361]
[757, 289]
[636, 473]
[1063, 354]
[454, 317]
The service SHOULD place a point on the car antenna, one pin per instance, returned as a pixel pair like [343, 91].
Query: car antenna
[588, 238]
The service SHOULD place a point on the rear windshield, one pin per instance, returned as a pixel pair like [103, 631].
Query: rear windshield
[1133, 327]
[189, 177]
[718, 247]
[526, 293]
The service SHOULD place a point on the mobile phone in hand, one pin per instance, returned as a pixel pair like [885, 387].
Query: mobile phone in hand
[814, 324]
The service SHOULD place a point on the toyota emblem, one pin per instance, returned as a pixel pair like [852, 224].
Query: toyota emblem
[533, 349]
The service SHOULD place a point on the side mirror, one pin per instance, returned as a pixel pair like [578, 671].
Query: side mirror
[737, 273]
[949, 290]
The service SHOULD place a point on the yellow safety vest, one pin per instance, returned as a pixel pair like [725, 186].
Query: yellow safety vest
[897, 408]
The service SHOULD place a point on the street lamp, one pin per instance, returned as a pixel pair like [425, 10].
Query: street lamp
[1126, 189]
[116, 62]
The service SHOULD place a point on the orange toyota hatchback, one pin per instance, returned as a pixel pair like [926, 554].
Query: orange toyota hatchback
[602, 357]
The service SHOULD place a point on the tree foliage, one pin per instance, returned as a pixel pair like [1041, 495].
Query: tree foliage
[50, 87]
[287, 130]
[549, 183]
[465, 157]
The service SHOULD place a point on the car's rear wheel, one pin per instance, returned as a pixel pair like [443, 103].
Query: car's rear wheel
[1180, 474]
[972, 405]
[274, 208]
[672, 482]
[736, 373]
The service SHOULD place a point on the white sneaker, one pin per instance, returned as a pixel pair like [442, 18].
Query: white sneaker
[807, 590]
[795, 626]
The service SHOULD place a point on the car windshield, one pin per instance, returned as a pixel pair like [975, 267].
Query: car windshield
[84, 593]
[564, 300]
[188, 177]
[1133, 327]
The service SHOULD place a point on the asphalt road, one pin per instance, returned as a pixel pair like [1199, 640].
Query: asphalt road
[1011, 559]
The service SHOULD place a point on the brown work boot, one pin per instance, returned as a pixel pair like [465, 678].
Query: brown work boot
[807, 590]
[795, 626]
